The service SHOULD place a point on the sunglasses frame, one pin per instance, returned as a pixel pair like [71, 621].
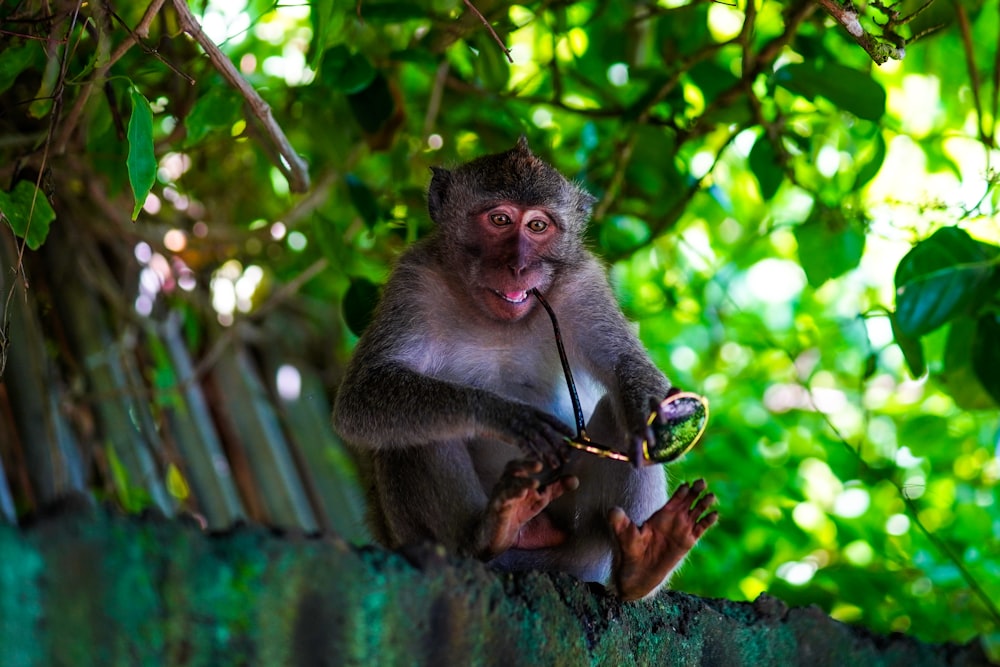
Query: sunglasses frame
[582, 441]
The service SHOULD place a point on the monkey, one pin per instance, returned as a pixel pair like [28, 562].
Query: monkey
[455, 404]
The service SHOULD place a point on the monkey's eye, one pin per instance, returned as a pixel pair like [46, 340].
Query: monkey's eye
[538, 226]
[500, 219]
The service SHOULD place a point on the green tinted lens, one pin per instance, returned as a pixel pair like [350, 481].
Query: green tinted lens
[676, 426]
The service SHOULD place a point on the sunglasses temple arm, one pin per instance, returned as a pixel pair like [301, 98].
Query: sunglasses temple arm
[577, 410]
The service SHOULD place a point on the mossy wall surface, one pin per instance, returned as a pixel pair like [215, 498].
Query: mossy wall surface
[86, 587]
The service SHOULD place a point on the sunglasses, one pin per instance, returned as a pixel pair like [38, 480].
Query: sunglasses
[677, 424]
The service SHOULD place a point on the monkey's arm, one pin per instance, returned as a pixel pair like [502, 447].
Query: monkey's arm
[386, 404]
[608, 344]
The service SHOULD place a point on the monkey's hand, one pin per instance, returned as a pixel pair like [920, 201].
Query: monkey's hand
[645, 555]
[643, 432]
[538, 434]
[514, 517]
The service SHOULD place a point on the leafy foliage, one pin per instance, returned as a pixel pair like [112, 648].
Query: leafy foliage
[792, 228]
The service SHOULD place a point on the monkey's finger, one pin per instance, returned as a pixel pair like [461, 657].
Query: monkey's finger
[523, 467]
[636, 455]
[680, 498]
[515, 486]
[561, 486]
[531, 447]
[542, 448]
[658, 408]
[622, 526]
[687, 494]
[704, 524]
[654, 404]
[703, 504]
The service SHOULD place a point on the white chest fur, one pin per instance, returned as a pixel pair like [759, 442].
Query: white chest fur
[523, 367]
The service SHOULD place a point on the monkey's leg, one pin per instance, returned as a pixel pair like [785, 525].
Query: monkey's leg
[645, 555]
[515, 514]
[431, 492]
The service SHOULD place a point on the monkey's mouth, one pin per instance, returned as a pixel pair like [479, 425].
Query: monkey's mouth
[512, 297]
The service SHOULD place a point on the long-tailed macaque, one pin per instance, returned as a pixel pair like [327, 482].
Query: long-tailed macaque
[456, 402]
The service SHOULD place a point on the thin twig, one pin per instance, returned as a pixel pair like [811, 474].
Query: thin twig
[434, 101]
[291, 165]
[624, 156]
[20, 248]
[628, 147]
[493, 32]
[135, 38]
[847, 16]
[914, 512]
[100, 74]
[970, 61]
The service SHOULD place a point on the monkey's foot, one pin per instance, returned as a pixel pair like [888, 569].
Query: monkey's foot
[514, 516]
[645, 555]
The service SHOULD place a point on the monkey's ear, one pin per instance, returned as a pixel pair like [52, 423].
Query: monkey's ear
[522, 145]
[437, 193]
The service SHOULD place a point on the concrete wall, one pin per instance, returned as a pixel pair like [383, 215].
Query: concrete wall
[85, 587]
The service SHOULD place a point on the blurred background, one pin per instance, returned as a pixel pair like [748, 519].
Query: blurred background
[805, 236]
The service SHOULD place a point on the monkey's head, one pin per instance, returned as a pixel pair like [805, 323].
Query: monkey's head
[508, 222]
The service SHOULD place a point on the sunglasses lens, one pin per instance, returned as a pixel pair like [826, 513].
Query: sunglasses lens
[676, 426]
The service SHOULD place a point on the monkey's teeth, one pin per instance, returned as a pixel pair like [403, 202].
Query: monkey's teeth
[514, 297]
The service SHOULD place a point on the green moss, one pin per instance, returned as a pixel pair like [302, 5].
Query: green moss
[95, 589]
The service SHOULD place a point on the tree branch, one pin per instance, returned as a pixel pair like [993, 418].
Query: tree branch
[493, 32]
[847, 16]
[291, 165]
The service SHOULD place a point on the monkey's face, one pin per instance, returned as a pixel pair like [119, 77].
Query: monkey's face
[511, 251]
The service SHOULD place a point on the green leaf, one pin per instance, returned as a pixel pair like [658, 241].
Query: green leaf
[765, 166]
[41, 106]
[849, 89]
[345, 71]
[829, 245]
[491, 63]
[359, 304]
[871, 365]
[712, 79]
[363, 199]
[392, 12]
[652, 90]
[374, 105]
[15, 60]
[28, 212]
[939, 279]
[959, 377]
[653, 169]
[219, 108]
[623, 233]
[327, 23]
[119, 476]
[986, 354]
[870, 168]
[938, 159]
[923, 433]
[176, 484]
[141, 160]
[913, 350]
